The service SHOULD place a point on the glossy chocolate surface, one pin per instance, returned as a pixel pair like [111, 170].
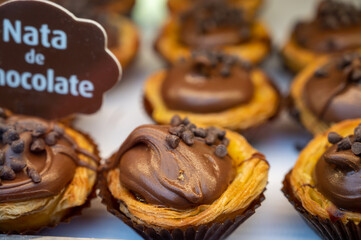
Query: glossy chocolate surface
[208, 82]
[333, 93]
[180, 176]
[37, 159]
[338, 173]
[337, 27]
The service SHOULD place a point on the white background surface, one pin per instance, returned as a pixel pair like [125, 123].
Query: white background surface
[122, 111]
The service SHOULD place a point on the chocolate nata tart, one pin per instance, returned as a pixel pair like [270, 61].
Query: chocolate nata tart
[336, 28]
[123, 35]
[180, 181]
[213, 25]
[325, 184]
[47, 173]
[212, 89]
[328, 91]
[250, 7]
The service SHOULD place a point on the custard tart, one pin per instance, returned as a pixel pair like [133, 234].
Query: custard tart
[181, 181]
[325, 184]
[47, 173]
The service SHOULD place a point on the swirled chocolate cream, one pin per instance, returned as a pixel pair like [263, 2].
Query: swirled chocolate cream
[37, 158]
[212, 24]
[337, 27]
[333, 93]
[178, 166]
[338, 172]
[208, 82]
[88, 9]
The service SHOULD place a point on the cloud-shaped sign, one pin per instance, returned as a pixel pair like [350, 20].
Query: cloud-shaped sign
[52, 64]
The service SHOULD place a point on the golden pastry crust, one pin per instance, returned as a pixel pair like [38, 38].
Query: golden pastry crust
[249, 6]
[301, 177]
[263, 106]
[171, 49]
[129, 40]
[248, 185]
[34, 214]
[307, 118]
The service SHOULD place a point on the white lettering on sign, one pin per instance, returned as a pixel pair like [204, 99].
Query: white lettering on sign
[50, 83]
[32, 36]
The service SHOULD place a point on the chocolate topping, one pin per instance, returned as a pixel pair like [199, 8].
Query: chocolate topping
[336, 96]
[36, 159]
[181, 175]
[88, 9]
[338, 173]
[207, 82]
[337, 27]
[212, 24]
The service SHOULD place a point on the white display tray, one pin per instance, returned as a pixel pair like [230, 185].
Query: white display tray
[122, 111]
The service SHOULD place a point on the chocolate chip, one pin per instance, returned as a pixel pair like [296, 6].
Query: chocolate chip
[59, 130]
[186, 121]
[200, 132]
[10, 135]
[225, 142]
[51, 138]
[191, 126]
[172, 141]
[221, 134]
[345, 61]
[2, 157]
[225, 71]
[38, 145]
[3, 128]
[176, 120]
[39, 130]
[334, 137]
[357, 134]
[211, 138]
[356, 148]
[188, 137]
[177, 130]
[6, 173]
[355, 75]
[344, 144]
[221, 151]
[33, 174]
[17, 165]
[18, 146]
[320, 73]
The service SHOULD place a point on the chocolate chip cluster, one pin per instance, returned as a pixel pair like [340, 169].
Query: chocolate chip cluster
[16, 138]
[336, 15]
[206, 60]
[183, 129]
[347, 143]
[213, 14]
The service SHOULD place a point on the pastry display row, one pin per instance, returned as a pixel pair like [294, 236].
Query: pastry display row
[193, 173]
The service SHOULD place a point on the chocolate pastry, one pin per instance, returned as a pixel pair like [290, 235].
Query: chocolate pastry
[213, 24]
[329, 91]
[325, 184]
[250, 7]
[212, 88]
[123, 36]
[177, 179]
[336, 28]
[47, 172]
